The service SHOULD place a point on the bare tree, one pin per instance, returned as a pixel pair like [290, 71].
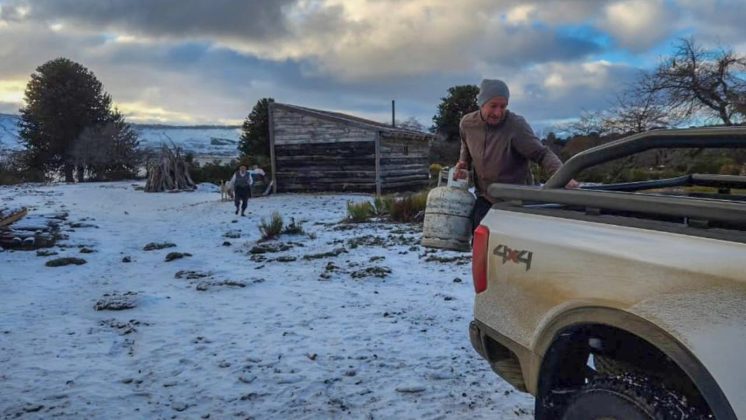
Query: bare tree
[411, 123]
[589, 123]
[640, 108]
[106, 151]
[697, 80]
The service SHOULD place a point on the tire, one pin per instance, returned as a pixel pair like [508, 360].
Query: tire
[627, 397]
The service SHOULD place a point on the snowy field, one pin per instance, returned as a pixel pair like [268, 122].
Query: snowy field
[347, 321]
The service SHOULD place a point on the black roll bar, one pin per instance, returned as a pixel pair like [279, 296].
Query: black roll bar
[707, 137]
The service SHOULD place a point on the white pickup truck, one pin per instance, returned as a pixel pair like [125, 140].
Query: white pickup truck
[623, 301]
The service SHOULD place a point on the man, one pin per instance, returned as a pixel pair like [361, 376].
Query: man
[498, 145]
[241, 188]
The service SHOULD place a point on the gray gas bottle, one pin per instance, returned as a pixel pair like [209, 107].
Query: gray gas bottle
[447, 221]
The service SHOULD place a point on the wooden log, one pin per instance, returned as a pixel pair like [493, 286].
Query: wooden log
[11, 215]
[16, 239]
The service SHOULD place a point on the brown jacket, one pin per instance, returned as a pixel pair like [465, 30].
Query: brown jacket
[501, 153]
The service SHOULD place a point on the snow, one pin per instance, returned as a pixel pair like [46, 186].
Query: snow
[290, 344]
[9, 138]
[211, 141]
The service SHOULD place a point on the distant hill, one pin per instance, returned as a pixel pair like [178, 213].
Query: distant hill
[203, 140]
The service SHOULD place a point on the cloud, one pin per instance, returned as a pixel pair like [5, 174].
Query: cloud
[639, 24]
[353, 39]
[256, 19]
[211, 61]
[715, 22]
[564, 12]
[561, 90]
[11, 91]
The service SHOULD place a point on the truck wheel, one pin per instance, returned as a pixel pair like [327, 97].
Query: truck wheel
[627, 397]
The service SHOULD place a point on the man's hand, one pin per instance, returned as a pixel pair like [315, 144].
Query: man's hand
[460, 170]
[573, 184]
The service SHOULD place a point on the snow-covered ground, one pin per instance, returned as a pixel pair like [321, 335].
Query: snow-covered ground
[304, 338]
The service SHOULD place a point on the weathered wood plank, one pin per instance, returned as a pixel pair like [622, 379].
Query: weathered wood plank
[328, 186]
[323, 185]
[325, 148]
[11, 215]
[404, 161]
[405, 173]
[313, 174]
[394, 141]
[293, 127]
[324, 161]
[272, 153]
[301, 139]
[379, 180]
[300, 168]
[404, 186]
[389, 179]
[407, 167]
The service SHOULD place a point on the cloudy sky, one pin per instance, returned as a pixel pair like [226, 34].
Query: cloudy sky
[199, 61]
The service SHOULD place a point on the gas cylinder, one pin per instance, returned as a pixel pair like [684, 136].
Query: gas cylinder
[447, 221]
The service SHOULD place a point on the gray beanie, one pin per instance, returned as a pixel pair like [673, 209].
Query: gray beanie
[489, 88]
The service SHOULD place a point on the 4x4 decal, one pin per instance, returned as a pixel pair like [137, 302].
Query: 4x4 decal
[514, 255]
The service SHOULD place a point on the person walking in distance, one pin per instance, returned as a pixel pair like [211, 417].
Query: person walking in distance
[241, 182]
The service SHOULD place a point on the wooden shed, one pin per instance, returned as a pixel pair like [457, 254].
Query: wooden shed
[315, 150]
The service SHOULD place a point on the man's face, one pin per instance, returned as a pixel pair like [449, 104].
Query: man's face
[493, 111]
[242, 169]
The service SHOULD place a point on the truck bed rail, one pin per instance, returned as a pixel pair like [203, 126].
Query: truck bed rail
[708, 137]
[698, 210]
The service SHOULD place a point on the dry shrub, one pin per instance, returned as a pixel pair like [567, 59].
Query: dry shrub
[360, 212]
[383, 204]
[408, 208]
[272, 228]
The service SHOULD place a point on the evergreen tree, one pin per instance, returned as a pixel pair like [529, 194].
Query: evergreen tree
[460, 101]
[63, 100]
[254, 142]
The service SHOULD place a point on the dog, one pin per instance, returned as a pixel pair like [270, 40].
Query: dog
[226, 190]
